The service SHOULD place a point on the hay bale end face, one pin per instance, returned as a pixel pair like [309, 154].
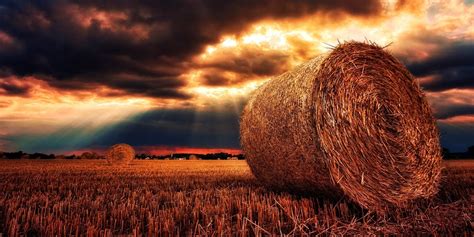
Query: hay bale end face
[120, 154]
[352, 121]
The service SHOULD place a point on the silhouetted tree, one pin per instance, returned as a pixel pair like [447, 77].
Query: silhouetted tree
[13, 155]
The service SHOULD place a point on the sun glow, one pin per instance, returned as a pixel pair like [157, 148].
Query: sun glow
[51, 110]
[305, 38]
[223, 92]
[298, 39]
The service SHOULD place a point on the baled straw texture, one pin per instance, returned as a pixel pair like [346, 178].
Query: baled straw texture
[353, 120]
[120, 154]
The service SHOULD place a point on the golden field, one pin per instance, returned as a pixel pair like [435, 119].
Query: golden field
[168, 198]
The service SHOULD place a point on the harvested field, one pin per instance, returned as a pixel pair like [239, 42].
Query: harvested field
[79, 197]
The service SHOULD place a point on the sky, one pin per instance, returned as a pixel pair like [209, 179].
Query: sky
[173, 76]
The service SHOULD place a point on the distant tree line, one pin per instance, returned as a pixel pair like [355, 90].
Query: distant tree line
[42, 156]
[95, 156]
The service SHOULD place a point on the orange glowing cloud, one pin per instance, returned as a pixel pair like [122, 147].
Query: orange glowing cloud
[413, 29]
[113, 21]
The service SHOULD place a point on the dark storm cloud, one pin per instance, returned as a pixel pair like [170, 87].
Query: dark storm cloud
[453, 110]
[149, 87]
[248, 65]
[215, 79]
[458, 77]
[128, 84]
[253, 62]
[449, 68]
[76, 43]
[12, 87]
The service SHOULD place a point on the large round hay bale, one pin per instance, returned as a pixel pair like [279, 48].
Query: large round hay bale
[120, 154]
[353, 121]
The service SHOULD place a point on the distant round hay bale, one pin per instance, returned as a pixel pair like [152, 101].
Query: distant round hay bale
[353, 121]
[120, 154]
